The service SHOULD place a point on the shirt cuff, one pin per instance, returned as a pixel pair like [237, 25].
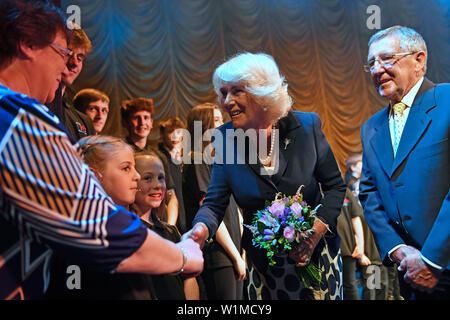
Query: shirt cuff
[395, 248]
[434, 265]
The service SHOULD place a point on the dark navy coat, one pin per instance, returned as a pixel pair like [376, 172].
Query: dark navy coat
[305, 158]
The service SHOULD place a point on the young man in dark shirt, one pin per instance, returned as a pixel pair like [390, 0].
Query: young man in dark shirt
[95, 104]
[171, 139]
[77, 123]
[137, 119]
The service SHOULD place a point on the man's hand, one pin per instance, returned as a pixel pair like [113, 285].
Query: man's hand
[199, 233]
[418, 274]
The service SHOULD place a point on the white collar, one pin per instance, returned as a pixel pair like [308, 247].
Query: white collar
[408, 99]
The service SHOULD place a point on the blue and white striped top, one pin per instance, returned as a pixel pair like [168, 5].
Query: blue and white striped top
[50, 200]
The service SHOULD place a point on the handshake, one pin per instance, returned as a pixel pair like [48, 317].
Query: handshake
[191, 244]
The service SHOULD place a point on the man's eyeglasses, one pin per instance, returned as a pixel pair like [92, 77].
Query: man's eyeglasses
[63, 52]
[386, 60]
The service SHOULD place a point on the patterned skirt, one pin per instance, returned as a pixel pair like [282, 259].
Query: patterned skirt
[281, 282]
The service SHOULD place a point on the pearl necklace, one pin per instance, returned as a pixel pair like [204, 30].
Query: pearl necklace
[268, 159]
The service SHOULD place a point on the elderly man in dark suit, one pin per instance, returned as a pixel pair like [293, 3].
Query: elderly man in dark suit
[404, 186]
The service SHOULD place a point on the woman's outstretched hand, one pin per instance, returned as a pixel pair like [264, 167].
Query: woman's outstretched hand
[199, 233]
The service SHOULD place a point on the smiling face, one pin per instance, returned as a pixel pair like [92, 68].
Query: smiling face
[395, 82]
[139, 124]
[74, 66]
[245, 113]
[48, 67]
[98, 112]
[119, 177]
[152, 186]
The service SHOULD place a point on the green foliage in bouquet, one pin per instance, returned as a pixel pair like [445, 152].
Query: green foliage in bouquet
[277, 229]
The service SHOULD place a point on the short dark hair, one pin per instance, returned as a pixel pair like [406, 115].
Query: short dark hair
[83, 97]
[170, 125]
[132, 106]
[34, 22]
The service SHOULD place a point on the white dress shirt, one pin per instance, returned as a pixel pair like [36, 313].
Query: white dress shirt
[408, 99]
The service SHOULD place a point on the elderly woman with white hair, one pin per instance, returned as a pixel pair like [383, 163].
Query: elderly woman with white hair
[252, 91]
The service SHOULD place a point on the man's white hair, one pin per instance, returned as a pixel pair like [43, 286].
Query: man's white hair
[410, 40]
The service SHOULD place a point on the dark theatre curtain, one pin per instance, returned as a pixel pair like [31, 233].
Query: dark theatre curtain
[168, 49]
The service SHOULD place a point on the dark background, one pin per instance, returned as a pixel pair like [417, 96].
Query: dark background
[168, 49]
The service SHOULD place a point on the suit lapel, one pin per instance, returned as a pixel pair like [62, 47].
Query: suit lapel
[287, 133]
[381, 142]
[288, 127]
[416, 124]
[257, 167]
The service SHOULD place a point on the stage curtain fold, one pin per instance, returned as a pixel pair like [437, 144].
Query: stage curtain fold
[168, 49]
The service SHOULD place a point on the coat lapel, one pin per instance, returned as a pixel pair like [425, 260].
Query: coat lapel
[381, 142]
[286, 142]
[288, 127]
[256, 167]
[416, 124]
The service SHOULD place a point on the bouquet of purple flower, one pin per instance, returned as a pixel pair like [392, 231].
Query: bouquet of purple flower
[278, 228]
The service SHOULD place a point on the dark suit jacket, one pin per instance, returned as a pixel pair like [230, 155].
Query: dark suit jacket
[77, 124]
[406, 199]
[307, 160]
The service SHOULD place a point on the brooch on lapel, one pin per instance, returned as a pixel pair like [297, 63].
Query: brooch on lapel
[81, 128]
[286, 143]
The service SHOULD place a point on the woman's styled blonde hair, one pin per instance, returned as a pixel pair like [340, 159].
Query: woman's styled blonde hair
[96, 150]
[260, 76]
